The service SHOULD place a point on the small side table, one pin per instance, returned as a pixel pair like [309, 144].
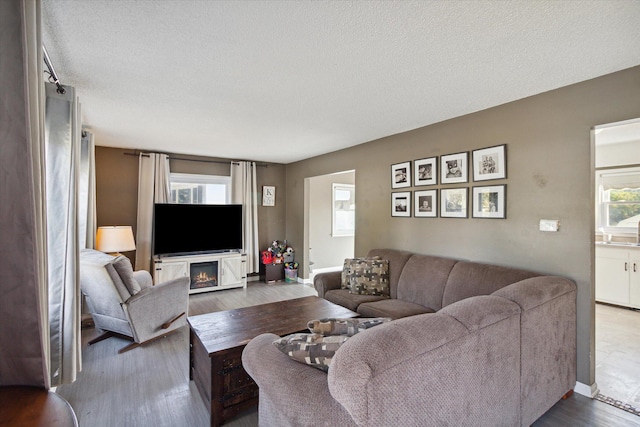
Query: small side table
[272, 272]
[24, 406]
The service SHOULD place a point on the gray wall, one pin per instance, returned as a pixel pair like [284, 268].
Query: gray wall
[550, 175]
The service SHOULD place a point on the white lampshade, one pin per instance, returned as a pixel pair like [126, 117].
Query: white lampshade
[115, 238]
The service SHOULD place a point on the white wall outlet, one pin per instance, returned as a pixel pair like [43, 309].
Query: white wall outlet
[549, 225]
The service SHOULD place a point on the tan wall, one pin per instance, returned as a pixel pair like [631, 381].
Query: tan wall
[117, 189]
[550, 176]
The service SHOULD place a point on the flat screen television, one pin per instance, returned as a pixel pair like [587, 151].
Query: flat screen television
[190, 229]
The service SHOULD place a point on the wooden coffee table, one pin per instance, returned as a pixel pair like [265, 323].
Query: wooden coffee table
[217, 340]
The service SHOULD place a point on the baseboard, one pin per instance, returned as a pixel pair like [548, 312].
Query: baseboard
[590, 391]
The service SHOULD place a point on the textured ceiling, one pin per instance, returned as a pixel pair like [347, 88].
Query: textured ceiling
[282, 81]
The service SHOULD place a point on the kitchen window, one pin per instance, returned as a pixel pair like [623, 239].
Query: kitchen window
[618, 200]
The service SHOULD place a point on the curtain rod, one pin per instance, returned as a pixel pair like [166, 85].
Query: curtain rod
[265, 165]
[53, 77]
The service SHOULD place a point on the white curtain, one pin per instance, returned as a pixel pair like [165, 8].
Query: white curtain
[244, 191]
[87, 192]
[24, 333]
[153, 187]
[62, 145]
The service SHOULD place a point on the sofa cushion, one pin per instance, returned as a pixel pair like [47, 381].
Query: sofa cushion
[125, 271]
[393, 308]
[313, 349]
[423, 280]
[353, 267]
[351, 301]
[347, 326]
[468, 279]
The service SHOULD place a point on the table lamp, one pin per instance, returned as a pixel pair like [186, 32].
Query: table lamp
[114, 239]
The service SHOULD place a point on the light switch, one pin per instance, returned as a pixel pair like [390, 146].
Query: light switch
[549, 224]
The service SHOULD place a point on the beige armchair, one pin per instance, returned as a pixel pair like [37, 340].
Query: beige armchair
[125, 303]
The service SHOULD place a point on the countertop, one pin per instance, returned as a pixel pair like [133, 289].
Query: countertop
[624, 245]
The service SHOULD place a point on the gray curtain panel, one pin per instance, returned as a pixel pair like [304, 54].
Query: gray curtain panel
[23, 331]
[62, 142]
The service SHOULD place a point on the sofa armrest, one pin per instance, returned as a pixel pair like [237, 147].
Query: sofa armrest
[530, 293]
[427, 362]
[324, 282]
[287, 387]
[548, 341]
[150, 308]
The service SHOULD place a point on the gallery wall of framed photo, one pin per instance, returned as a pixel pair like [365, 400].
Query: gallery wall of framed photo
[459, 196]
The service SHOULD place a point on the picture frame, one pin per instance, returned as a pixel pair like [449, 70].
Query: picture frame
[490, 163]
[454, 203]
[268, 195]
[489, 201]
[401, 204]
[401, 175]
[426, 171]
[454, 168]
[426, 204]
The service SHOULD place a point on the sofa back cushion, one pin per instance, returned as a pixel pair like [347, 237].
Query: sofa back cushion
[397, 260]
[423, 280]
[468, 279]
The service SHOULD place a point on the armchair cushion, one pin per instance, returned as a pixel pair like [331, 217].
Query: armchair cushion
[144, 279]
[125, 271]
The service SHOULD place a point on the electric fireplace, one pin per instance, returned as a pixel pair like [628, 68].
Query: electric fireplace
[203, 275]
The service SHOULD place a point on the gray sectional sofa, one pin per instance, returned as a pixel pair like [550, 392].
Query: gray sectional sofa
[472, 344]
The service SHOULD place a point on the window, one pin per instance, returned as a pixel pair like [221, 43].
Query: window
[200, 189]
[618, 204]
[344, 210]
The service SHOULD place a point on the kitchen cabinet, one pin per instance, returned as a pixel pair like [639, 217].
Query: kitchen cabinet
[618, 275]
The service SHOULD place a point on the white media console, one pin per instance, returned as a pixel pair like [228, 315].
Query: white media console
[206, 272]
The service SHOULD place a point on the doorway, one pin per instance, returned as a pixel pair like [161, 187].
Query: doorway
[329, 222]
[617, 337]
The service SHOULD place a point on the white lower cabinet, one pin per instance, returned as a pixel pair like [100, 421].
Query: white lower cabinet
[206, 272]
[618, 275]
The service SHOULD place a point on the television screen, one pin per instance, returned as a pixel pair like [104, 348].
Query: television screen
[179, 228]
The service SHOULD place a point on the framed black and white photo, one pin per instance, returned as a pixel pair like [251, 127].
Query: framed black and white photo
[401, 204]
[453, 203]
[454, 168]
[401, 175]
[490, 163]
[426, 204]
[489, 201]
[426, 171]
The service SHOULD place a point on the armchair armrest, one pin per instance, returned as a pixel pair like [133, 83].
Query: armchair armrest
[154, 306]
[324, 282]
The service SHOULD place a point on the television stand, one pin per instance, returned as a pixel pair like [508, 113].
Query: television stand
[206, 272]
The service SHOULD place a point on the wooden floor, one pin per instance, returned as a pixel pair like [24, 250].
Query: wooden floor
[150, 386]
[618, 353]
